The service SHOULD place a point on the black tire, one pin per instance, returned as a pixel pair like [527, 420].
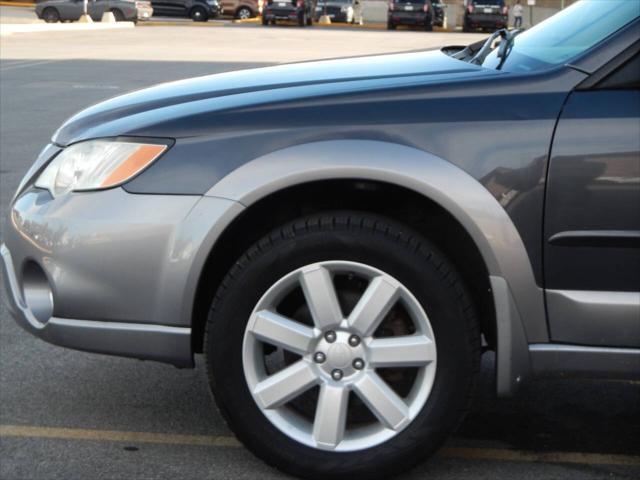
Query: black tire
[244, 13]
[50, 15]
[390, 247]
[428, 24]
[302, 19]
[309, 21]
[391, 25]
[265, 22]
[118, 15]
[465, 26]
[198, 14]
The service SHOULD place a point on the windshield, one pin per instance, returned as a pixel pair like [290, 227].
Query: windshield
[566, 34]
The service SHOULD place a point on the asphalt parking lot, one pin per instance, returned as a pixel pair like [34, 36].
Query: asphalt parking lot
[71, 415]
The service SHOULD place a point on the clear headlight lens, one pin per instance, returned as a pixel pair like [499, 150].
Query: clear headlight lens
[97, 164]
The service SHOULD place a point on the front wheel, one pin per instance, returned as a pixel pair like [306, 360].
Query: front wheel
[342, 345]
[391, 25]
[198, 14]
[118, 15]
[302, 19]
[428, 25]
[244, 13]
[50, 15]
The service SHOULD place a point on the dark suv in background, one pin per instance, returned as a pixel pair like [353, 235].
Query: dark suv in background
[410, 12]
[438, 13]
[300, 11]
[485, 14]
[197, 10]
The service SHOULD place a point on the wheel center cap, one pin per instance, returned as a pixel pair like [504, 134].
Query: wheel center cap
[339, 355]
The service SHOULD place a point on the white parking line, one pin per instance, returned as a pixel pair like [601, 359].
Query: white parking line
[467, 453]
[14, 66]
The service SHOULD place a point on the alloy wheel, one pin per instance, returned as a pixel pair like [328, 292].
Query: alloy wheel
[339, 356]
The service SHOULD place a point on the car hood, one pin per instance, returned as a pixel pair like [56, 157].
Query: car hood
[145, 112]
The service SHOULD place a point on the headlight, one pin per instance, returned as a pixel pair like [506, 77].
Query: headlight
[97, 164]
[346, 8]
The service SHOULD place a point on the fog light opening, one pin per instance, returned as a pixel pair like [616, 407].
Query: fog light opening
[36, 292]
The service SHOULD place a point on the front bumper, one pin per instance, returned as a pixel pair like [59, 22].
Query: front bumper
[144, 13]
[108, 271]
[282, 13]
[482, 20]
[409, 18]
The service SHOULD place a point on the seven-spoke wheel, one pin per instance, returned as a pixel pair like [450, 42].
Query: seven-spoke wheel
[339, 354]
[342, 345]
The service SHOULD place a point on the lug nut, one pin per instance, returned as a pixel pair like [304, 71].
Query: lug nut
[319, 357]
[358, 364]
[330, 336]
[354, 340]
[337, 374]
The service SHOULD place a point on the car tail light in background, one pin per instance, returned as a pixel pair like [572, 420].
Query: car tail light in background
[470, 8]
[300, 3]
[426, 7]
[505, 10]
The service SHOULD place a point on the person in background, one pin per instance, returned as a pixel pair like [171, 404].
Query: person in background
[518, 9]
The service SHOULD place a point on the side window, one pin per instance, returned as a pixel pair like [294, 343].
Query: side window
[626, 76]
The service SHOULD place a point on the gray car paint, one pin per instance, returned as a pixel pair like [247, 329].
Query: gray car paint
[73, 9]
[242, 116]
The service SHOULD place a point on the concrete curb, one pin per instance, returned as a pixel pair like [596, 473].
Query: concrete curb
[11, 28]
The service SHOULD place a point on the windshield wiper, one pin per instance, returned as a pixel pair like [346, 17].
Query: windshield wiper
[503, 50]
[506, 46]
[486, 48]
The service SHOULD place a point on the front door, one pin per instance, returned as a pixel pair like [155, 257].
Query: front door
[592, 214]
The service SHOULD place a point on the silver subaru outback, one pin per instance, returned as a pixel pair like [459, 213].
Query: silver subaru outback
[342, 239]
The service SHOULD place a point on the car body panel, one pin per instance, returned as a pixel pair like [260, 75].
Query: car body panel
[232, 7]
[335, 10]
[485, 14]
[77, 240]
[256, 112]
[183, 8]
[410, 12]
[73, 9]
[287, 10]
[461, 195]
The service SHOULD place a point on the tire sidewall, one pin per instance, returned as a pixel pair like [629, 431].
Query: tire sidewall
[53, 18]
[235, 303]
[244, 9]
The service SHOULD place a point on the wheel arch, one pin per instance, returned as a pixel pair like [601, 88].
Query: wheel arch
[289, 176]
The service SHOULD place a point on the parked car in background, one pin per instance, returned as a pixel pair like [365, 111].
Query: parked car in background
[197, 10]
[300, 11]
[345, 11]
[485, 14]
[410, 12]
[52, 11]
[438, 13]
[241, 9]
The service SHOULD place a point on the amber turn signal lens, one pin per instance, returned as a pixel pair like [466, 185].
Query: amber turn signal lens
[143, 156]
